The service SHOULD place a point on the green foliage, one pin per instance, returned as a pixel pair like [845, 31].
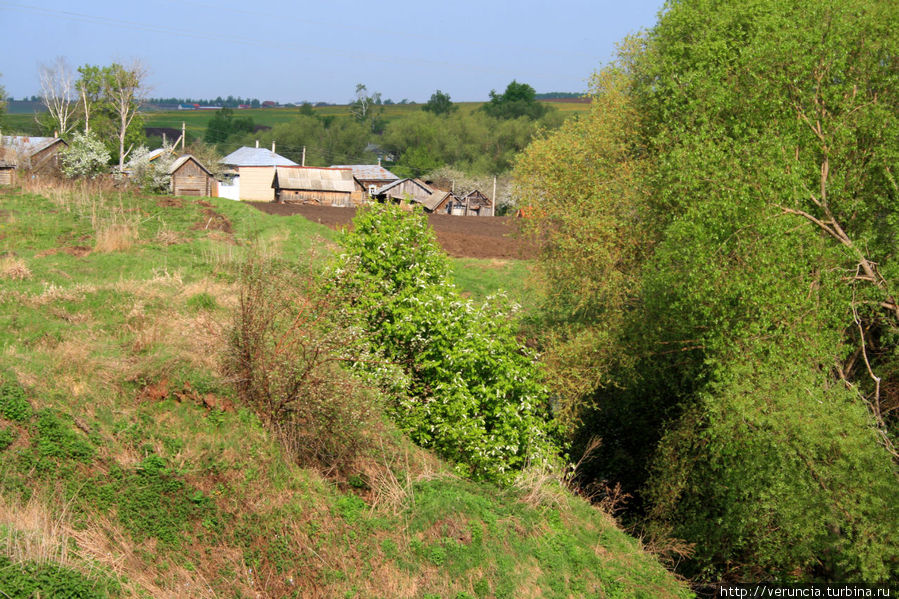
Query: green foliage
[327, 141]
[151, 175]
[439, 103]
[13, 403]
[519, 100]
[31, 579]
[7, 437]
[732, 282]
[475, 395]
[86, 156]
[224, 124]
[56, 439]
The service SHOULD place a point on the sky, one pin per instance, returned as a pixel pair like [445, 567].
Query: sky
[318, 51]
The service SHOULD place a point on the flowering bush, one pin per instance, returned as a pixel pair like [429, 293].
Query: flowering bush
[86, 156]
[475, 394]
[152, 176]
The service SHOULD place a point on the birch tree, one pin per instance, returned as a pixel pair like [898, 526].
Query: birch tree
[125, 89]
[59, 94]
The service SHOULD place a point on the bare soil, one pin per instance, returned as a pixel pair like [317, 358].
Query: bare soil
[459, 236]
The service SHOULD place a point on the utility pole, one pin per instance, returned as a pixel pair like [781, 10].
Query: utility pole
[182, 136]
[304, 156]
[493, 199]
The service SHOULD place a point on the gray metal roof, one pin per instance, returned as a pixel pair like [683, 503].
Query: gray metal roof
[432, 201]
[369, 172]
[310, 178]
[28, 145]
[386, 188]
[255, 157]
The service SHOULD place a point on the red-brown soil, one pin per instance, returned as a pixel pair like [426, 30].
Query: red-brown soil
[460, 236]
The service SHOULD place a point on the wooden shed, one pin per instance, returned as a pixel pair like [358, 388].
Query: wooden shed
[319, 186]
[7, 173]
[370, 176]
[409, 190]
[190, 178]
[38, 154]
[474, 203]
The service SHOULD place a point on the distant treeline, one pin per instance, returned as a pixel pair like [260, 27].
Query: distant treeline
[229, 102]
[560, 95]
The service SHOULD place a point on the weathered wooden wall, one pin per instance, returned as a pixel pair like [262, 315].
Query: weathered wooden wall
[191, 180]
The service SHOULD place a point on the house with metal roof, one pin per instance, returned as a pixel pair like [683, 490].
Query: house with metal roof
[318, 186]
[251, 173]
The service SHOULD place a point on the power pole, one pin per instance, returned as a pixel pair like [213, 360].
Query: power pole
[182, 136]
[493, 199]
[304, 156]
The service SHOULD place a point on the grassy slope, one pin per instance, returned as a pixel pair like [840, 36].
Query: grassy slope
[119, 475]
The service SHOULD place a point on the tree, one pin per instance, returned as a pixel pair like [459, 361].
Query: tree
[223, 124]
[519, 100]
[58, 94]
[125, 89]
[2, 99]
[90, 86]
[733, 282]
[367, 108]
[439, 103]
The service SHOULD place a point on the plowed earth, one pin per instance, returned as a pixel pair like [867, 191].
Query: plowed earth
[460, 236]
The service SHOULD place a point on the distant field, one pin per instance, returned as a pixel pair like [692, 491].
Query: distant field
[196, 120]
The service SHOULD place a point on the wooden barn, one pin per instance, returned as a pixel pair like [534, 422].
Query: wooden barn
[190, 178]
[319, 186]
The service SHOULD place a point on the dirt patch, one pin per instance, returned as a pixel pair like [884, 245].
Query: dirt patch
[212, 221]
[203, 203]
[169, 203]
[79, 251]
[459, 236]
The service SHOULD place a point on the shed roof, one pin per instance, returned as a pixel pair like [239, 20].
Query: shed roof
[369, 172]
[385, 188]
[311, 178]
[434, 200]
[29, 145]
[246, 156]
[180, 162]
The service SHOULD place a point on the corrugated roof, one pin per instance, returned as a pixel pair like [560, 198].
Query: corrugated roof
[255, 157]
[29, 145]
[180, 161]
[369, 172]
[310, 178]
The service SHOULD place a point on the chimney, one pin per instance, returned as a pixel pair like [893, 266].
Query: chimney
[55, 134]
[379, 161]
[257, 143]
[273, 146]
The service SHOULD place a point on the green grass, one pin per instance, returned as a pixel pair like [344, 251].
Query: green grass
[118, 427]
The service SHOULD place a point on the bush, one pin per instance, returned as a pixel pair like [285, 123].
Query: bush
[474, 393]
[86, 156]
[13, 404]
[151, 176]
[286, 355]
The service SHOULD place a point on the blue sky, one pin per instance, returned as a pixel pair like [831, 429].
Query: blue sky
[319, 51]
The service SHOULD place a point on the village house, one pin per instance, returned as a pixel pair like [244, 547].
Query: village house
[37, 154]
[318, 186]
[250, 174]
[404, 190]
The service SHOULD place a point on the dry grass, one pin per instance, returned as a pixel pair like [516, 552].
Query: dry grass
[31, 532]
[14, 268]
[115, 237]
[541, 488]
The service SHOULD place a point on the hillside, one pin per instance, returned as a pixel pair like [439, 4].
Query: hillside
[129, 468]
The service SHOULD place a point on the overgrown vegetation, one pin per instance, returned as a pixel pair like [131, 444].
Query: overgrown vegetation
[719, 249]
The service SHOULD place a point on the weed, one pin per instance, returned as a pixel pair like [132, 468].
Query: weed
[13, 404]
[31, 579]
[14, 268]
[7, 437]
[201, 301]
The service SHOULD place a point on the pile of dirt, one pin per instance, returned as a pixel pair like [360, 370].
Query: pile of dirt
[459, 236]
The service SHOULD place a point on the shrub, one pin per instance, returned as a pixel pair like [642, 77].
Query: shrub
[151, 176]
[13, 405]
[86, 156]
[285, 356]
[474, 393]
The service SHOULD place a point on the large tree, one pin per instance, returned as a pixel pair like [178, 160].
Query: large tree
[734, 283]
